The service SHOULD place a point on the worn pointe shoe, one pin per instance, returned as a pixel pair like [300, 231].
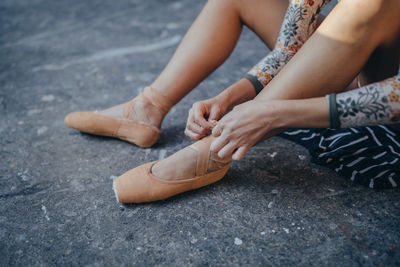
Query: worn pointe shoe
[140, 185]
[141, 134]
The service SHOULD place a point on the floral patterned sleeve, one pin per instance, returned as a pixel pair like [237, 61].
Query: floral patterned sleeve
[377, 103]
[299, 23]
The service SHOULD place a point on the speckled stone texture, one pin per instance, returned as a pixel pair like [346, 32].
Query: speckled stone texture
[57, 207]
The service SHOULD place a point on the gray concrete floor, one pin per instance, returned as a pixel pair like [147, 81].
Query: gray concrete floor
[56, 202]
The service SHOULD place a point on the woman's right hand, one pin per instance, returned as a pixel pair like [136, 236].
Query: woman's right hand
[203, 116]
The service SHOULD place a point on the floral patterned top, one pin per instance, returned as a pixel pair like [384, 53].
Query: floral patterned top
[298, 25]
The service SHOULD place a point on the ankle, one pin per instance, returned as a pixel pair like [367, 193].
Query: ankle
[155, 105]
[147, 113]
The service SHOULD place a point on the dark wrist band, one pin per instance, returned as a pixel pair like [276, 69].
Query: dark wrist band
[333, 112]
[255, 82]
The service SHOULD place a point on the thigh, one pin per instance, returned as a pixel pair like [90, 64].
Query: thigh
[384, 61]
[264, 17]
[382, 64]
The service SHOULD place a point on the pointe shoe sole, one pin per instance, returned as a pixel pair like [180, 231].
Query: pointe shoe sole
[95, 123]
[140, 185]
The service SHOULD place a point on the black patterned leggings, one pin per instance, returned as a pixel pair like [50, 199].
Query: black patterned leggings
[366, 155]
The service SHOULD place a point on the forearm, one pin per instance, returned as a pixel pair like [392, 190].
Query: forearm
[299, 23]
[377, 103]
[307, 113]
[331, 58]
[237, 93]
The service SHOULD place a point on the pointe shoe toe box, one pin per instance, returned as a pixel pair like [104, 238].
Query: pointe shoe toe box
[91, 122]
[134, 185]
[140, 185]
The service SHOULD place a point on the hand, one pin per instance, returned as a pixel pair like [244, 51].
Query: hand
[243, 127]
[203, 117]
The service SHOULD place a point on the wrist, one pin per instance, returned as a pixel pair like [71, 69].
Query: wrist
[278, 114]
[312, 112]
[223, 102]
[237, 93]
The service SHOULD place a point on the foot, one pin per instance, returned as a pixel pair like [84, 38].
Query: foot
[188, 169]
[137, 121]
[182, 164]
[141, 112]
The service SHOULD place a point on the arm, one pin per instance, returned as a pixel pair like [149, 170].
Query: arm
[377, 103]
[351, 31]
[299, 23]
[204, 114]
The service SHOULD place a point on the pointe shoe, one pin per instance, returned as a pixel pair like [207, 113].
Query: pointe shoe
[141, 134]
[140, 185]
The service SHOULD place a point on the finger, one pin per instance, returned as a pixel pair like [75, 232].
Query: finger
[217, 130]
[198, 118]
[214, 123]
[192, 135]
[227, 150]
[192, 125]
[240, 152]
[196, 128]
[218, 143]
[190, 117]
[215, 114]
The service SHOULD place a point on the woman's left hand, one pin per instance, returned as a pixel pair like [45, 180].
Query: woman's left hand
[243, 127]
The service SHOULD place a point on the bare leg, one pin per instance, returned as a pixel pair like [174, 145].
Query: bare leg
[209, 56]
[316, 70]
[207, 44]
[211, 39]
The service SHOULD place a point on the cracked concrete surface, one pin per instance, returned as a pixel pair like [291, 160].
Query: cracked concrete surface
[57, 206]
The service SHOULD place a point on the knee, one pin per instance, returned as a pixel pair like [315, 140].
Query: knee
[225, 5]
[372, 21]
[364, 8]
[230, 3]
[363, 13]
[375, 16]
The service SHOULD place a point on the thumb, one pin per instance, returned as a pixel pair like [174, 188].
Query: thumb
[213, 118]
[199, 112]
[215, 114]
